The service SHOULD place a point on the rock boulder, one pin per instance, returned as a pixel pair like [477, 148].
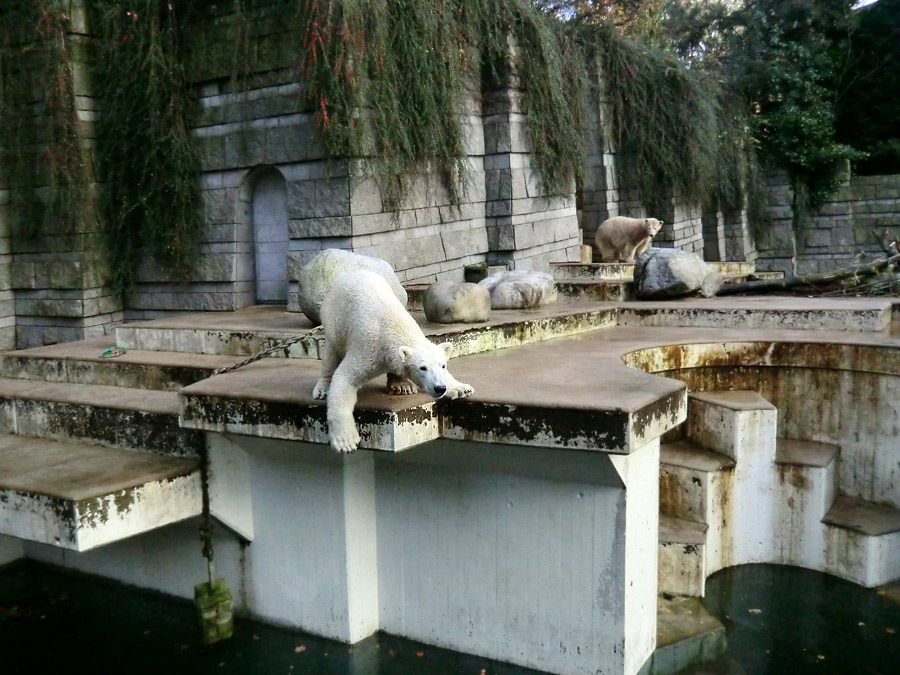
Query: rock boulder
[454, 302]
[662, 273]
[520, 289]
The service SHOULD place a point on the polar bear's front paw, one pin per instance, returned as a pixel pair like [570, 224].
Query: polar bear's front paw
[460, 390]
[401, 387]
[345, 440]
[321, 390]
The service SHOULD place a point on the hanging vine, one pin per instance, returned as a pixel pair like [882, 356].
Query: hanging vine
[147, 158]
[43, 159]
[396, 84]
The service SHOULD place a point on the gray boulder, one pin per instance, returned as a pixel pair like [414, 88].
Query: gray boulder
[662, 273]
[322, 271]
[520, 289]
[453, 302]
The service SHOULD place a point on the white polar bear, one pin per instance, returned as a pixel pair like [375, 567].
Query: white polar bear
[369, 333]
[622, 239]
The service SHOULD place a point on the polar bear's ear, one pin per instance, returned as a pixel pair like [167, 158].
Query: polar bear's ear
[405, 353]
[446, 346]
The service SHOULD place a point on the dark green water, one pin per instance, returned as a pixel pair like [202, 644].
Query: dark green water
[53, 622]
[790, 621]
[779, 620]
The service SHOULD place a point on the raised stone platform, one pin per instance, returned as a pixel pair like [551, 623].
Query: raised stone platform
[80, 496]
[551, 466]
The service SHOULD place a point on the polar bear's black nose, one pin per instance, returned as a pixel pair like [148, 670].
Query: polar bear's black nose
[440, 390]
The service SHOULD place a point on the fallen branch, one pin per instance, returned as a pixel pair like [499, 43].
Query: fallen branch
[769, 285]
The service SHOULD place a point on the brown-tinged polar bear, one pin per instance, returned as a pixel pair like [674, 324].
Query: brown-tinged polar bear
[622, 239]
[369, 333]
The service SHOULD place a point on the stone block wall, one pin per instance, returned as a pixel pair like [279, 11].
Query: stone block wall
[715, 234]
[7, 298]
[502, 215]
[850, 223]
[600, 195]
[52, 284]
[527, 227]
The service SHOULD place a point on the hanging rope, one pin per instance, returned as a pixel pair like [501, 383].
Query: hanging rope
[305, 338]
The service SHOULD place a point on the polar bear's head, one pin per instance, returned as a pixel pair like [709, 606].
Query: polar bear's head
[652, 225]
[425, 365]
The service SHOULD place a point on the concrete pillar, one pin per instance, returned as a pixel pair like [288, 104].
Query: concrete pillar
[742, 426]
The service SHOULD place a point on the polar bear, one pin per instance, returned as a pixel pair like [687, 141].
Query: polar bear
[622, 239]
[368, 332]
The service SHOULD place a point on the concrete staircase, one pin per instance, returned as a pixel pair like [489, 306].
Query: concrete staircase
[732, 493]
[614, 282]
[91, 449]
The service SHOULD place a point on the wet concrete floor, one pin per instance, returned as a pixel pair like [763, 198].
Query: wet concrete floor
[779, 620]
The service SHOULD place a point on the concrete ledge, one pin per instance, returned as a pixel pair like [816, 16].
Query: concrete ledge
[858, 515]
[80, 363]
[117, 416]
[805, 453]
[81, 496]
[273, 399]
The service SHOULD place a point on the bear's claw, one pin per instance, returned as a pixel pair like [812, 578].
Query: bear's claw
[402, 388]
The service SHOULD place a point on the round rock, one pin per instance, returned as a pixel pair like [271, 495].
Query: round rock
[520, 289]
[457, 302]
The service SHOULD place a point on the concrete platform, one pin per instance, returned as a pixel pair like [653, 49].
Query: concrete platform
[79, 496]
[81, 363]
[687, 636]
[864, 517]
[253, 329]
[117, 416]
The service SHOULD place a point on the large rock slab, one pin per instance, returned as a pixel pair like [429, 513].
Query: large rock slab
[455, 302]
[662, 273]
[520, 289]
[317, 278]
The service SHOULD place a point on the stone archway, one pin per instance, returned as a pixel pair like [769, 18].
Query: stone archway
[269, 218]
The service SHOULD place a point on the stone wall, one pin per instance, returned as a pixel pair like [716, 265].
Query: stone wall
[52, 283]
[502, 217]
[850, 223]
[7, 299]
[715, 234]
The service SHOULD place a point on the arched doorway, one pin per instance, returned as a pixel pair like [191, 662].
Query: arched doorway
[270, 236]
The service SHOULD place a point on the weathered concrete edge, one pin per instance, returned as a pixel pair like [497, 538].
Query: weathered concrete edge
[83, 524]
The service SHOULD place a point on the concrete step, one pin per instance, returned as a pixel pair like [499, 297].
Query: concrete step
[79, 496]
[117, 416]
[625, 271]
[596, 290]
[82, 363]
[687, 637]
[682, 557]
[761, 312]
[691, 480]
[237, 334]
[863, 541]
[805, 486]
[564, 271]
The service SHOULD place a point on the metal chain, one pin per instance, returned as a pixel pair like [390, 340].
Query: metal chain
[304, 338]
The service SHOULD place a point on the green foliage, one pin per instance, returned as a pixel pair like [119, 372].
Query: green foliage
[147, 155]
[395, 82]
[667, 120]
[785, 61]
[868, 94]
[40, 151]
